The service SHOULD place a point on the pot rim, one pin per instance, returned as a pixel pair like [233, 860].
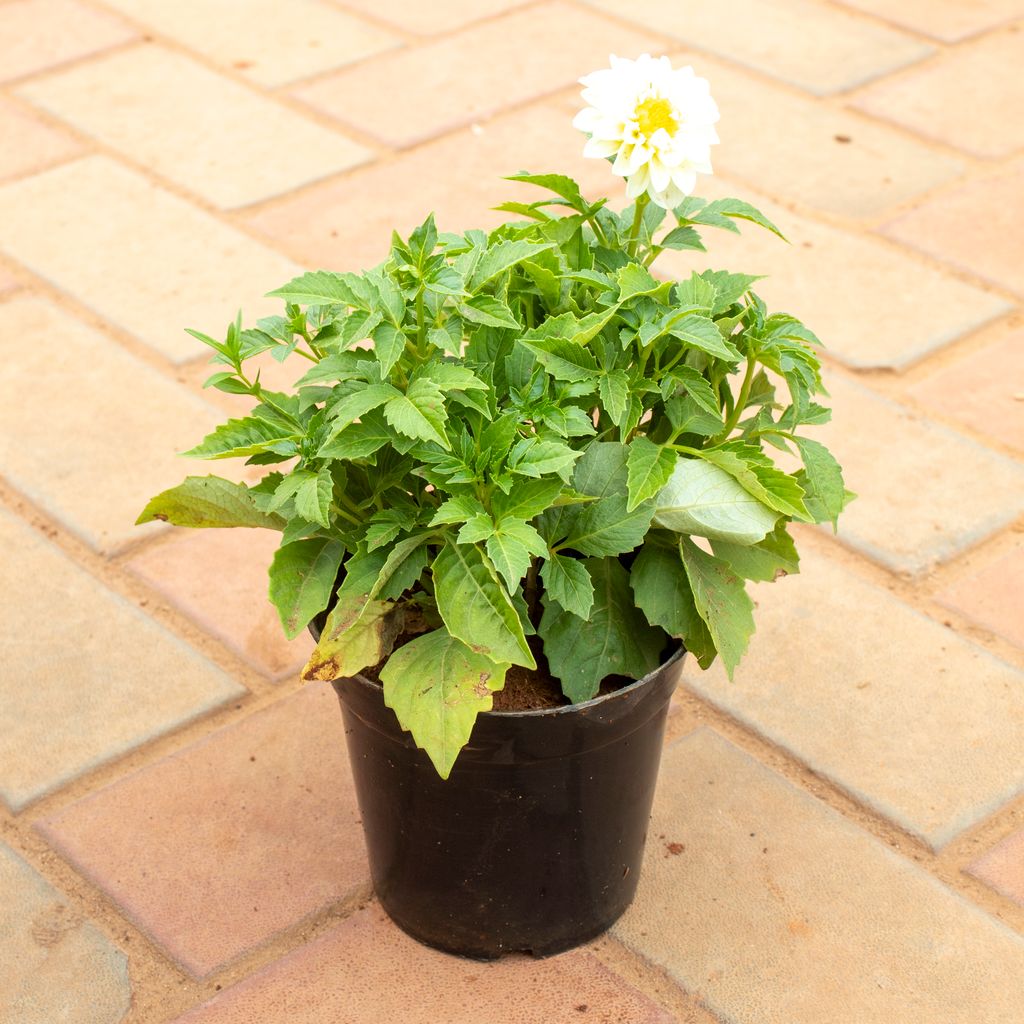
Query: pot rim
[565, 709]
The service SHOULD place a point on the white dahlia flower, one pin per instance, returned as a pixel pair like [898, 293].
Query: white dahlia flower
[656, 120]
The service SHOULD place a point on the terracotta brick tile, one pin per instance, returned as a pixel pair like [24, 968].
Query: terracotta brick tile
[347, 224]
[209, 134]
[148, 261]
[436, 18]
[948, 20]
[821, 48]
[8, 282]
[473, 74]
[975, 227]
[29, 145]
[993, 596]
[984, 391]
[39, 34]
[1002, 867]
[268, 42]
[348, 974]
[781, 911]
[117, 680]
[219, 579]
[94, 462]
[971, 98]
[54, 965]
[825, 157]
[832, 280]
[229, 841]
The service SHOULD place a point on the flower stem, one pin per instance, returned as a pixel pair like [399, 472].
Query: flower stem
[638, 216]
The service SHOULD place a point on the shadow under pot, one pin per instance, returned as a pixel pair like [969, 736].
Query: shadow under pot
[534, 842]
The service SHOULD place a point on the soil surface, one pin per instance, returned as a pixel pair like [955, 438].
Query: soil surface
[525, 689]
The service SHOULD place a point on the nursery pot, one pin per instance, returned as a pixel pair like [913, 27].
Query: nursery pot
[534, 842]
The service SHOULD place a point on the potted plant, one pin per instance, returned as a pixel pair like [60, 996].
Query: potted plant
[519, 477]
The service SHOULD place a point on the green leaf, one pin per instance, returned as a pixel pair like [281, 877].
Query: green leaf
[682, 238]
[649, 467]
[452, 377]
[236, 438]
[392, 302]
[302, 577]
[729, 288]
[822, 479]
[480, 527]
[702, 499]
[528, 498]
[489, 311]
[202, 501]
[501, 257]
[419, 413]
[614, 392]
[459, 509]
[403, 567]
[358, 440]
[634, 280]
[387, 524]
[721, 602]
[567, 581]
[615, 638]
[564, 360]
[662, 592]
[721, 212]
[702, 333]
[476, 608]
[530, 457]
[697, 388]
[358, 404]
[389, 344]
[560, 184]
[756, 474]
[356, 636]
[605, 526]
[687, 417]
[436, 686]
[765, 561]
[313, 497]
[321, 287]
[510, 546]
[696, 291]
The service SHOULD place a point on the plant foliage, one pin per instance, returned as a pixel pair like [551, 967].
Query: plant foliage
[522, 442]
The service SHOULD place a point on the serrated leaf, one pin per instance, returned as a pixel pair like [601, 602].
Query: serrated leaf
[387, 524]
[240, 437]
[614, 639]
[302, 577]
[687, 417]
[336, 367]
[613, 388]
[564, 360]
[501, 257]
[697, 388]
[721, 213]
[756, 474]
[449, 337]
[696, 291]
[634, 280]
[419, 413]
[567, 581]
[682, 238]
[313, 497]
[356, 636]
[662, 592]
[729, 288]
[604, 526]
[510, 547]
[436, 686]
[649, 467]
[321, 287]
[403, 566]
[702, 333]
[452, 377]
[561, 184]
[701, 499]
[208, 501]
[458, 509]
[389, 344]
[823, 481]
[534, 458]
[763, 562]
[357, 440]
[350, 408]
[489, 311]
[476, 608]
[392, 302]
[721, 601]
[528, 498]
[478, 528]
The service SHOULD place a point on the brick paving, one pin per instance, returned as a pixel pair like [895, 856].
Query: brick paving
[838, 835]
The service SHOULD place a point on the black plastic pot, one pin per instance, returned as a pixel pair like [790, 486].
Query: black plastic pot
[534, 842]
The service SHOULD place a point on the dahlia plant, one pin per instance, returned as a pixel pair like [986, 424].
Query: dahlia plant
[521, 447]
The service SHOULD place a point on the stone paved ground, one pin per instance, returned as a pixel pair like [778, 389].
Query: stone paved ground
[839, 834]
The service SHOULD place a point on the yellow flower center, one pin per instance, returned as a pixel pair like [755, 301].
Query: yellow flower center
[655, 113]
